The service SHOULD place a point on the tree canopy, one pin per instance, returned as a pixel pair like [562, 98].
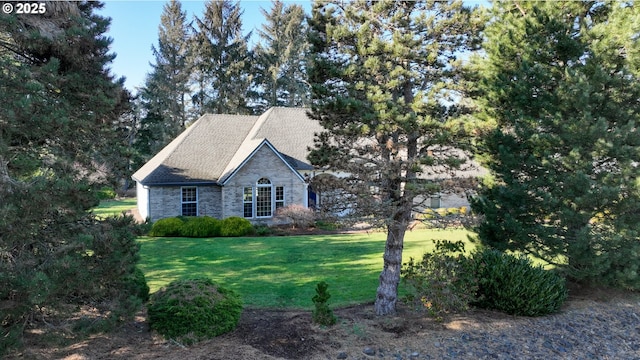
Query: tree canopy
[560, 83]
[281, 57]
[384, 76]
[57, 127]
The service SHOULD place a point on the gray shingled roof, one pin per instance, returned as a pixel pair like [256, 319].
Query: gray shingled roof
[290, 131]
[215, 145]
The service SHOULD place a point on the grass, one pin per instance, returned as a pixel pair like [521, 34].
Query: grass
[114, 207]
[282, 272]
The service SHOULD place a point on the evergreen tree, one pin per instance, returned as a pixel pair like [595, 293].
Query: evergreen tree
[166, 88]
[382, 76]
[221, 60]
[60, 108]
[281, 57]
[560, 81]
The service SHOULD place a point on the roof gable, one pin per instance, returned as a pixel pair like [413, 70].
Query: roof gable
[248, 150]
[215, 146]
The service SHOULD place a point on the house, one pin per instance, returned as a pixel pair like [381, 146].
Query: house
[231, 165]
[236, 165]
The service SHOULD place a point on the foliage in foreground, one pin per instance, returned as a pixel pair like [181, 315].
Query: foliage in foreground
[443, 282]
[192, 310]
[513, 285]
[446, 281]
[97, 267]
[322, 314]
[560, 81]
[59, 122]
[384, 103]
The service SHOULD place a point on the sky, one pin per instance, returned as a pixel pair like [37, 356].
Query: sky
[134, 29]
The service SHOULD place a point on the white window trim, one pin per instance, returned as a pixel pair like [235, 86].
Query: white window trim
[257, 186]
[182, 202]
[284, 197]
[254, 198]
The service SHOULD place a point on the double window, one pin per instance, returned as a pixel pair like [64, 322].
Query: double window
[264, 200]
[189, 201]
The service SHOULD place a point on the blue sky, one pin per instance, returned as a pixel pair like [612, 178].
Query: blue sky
[134, 28]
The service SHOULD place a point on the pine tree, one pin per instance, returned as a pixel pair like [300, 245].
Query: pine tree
[164, 95]
[382, 76]
[221, 60]
[60, 106]
[281, 57]
[560, 82]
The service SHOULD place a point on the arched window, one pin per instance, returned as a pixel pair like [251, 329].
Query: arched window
[264, 204]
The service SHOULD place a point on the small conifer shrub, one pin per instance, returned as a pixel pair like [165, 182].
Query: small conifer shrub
[192, 310]
[512, 284]
[322, 314]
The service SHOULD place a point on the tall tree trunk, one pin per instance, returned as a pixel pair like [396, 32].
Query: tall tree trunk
[387, 295]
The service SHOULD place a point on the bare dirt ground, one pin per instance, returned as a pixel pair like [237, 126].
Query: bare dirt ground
[598, 324]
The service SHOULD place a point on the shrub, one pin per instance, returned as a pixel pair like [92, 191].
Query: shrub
[322, 314]
[263, 230]
[106, 193]
[443, 282]
[193, 310]
[200, 227]
[235, 226]
[167, 227]
[327, 225]
[298, 215]
[137, 285]
[513, 285]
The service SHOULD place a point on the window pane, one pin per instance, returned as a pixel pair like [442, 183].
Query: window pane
[189, 194]
[190, 209]
[264, 181]
[248, 210]
[247, 199]
[279, 197]
[263, 201]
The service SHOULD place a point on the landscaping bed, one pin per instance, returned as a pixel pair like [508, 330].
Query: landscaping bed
[601, 324]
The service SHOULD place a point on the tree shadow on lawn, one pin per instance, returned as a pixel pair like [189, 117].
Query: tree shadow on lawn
[271, 272]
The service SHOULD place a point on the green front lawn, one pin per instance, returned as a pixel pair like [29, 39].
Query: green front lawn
[282, 272]
[114, 207]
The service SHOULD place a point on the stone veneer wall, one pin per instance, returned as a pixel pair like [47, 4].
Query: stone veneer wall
[264, 163]
[166, 201]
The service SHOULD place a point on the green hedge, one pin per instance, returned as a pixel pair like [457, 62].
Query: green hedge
[167, 227]
[235, 226]
[201, 227]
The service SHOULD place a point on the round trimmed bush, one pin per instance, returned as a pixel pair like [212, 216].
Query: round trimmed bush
[513, 285]
[201, 227]
[192, 310]
[167, 227]
[235, 226]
